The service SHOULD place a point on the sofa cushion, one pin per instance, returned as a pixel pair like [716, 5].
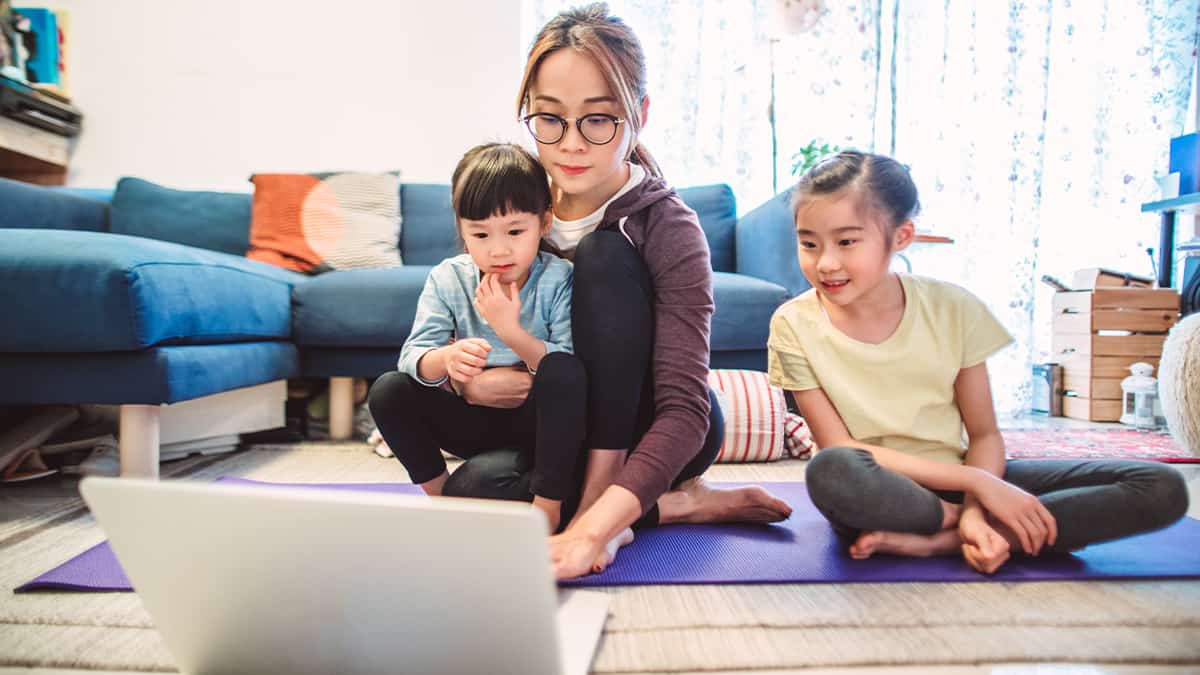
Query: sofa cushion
[358, 308]
[218, 221]
[744, 309]
[32, 206]
[91, 291]
[149, 376]
[315, 222]
[717, 209]
[430, 234]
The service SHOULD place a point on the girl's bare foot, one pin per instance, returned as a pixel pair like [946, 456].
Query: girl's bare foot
[695, 501]
[945, 542]
[609, 553]
[433, 487]
[553, 510]
[950, 514]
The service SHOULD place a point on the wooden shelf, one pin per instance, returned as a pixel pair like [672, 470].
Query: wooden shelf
[32, 155]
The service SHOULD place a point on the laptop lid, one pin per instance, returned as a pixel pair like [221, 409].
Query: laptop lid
[275, 579]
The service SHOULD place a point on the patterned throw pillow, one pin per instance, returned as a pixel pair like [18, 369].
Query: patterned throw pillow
[323, 221]
[758, 426]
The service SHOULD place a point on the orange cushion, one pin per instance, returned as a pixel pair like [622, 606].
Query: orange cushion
[318, 222]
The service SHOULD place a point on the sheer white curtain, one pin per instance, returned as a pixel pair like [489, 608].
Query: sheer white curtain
[1034, 128]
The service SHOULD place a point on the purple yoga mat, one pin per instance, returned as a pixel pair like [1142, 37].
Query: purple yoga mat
[97, 569]
[802, 549]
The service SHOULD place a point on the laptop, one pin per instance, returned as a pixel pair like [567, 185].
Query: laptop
[262, 579]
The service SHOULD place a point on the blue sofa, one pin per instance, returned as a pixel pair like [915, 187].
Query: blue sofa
[141, 296]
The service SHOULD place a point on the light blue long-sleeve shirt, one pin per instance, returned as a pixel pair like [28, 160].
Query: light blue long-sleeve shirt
[446, 310]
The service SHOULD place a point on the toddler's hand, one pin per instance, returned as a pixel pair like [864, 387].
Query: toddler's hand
[499, 303]
[466, 358]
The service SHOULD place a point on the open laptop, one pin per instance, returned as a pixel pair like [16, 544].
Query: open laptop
[247, 579]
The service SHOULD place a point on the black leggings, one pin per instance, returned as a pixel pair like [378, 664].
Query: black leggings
[1092, 501]
[545, 432]
[612, 323]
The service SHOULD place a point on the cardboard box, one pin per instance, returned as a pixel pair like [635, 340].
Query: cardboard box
[1100, 277]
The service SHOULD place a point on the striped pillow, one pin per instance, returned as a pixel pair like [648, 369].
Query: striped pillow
[758, 426]
[326, 221]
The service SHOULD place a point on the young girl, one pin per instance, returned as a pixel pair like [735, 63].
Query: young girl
[888, 370]
[642, 300]
[502, 304]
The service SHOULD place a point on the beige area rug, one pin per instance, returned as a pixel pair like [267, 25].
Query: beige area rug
[651, 628]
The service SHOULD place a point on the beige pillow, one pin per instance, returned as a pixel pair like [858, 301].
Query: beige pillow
[325, 221]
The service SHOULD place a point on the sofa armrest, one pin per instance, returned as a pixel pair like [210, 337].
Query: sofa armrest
[23, 205]
[766, 245]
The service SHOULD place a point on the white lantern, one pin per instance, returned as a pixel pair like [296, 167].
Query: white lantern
[1139, 393]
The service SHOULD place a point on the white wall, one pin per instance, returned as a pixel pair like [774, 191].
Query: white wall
[198, 94]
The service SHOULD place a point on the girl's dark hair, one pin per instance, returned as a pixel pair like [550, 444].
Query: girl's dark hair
[610, 42]
[498, 179]
[883, 184]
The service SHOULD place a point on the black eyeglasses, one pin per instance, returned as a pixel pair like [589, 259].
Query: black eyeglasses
[596, 128]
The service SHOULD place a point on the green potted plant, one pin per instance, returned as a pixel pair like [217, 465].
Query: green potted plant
[810, 155]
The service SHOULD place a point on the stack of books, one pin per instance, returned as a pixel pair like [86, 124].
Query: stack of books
[38, 53]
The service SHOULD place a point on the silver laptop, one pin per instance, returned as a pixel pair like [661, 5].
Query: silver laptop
[246, 579]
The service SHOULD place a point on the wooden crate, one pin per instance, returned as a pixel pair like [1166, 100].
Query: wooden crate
[1094, 363]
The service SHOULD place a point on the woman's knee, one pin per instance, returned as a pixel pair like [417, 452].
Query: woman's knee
[559, 374]
[835, 475]
[391, 393]
[497, 474]
[598, 253]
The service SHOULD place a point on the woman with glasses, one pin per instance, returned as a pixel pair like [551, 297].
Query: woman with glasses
[642, 301]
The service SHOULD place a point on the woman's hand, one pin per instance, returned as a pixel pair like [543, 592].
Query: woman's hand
[499, 304]
[983, 547]
[498, 388]
[466, 359]
[1020, 511]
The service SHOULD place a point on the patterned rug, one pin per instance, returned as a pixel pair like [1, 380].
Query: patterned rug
[1095, 444]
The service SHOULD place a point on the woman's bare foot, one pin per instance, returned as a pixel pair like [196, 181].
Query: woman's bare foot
[609, 553]
[904, 543]
[695, 501]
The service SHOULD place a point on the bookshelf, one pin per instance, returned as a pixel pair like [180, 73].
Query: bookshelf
[1189, 203]
[32, 155]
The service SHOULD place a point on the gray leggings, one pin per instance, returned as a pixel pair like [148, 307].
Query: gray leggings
[1092, 501]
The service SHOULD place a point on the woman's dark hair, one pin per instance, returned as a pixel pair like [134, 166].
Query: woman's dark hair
[498, 179]
[883, 184]
[611, 43]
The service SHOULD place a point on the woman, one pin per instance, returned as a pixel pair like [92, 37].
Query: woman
[642, 304]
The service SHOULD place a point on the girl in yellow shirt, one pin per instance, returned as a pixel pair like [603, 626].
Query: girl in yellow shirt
[890, 370]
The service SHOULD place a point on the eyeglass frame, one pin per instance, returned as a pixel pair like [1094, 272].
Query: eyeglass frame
[564, 123]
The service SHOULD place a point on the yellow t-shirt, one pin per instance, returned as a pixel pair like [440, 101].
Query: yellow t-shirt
[899, 393]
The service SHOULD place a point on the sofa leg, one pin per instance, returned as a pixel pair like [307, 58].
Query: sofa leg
[341, 407]
[139, 441]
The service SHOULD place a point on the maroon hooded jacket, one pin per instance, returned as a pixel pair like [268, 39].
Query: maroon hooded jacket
[667, 234]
